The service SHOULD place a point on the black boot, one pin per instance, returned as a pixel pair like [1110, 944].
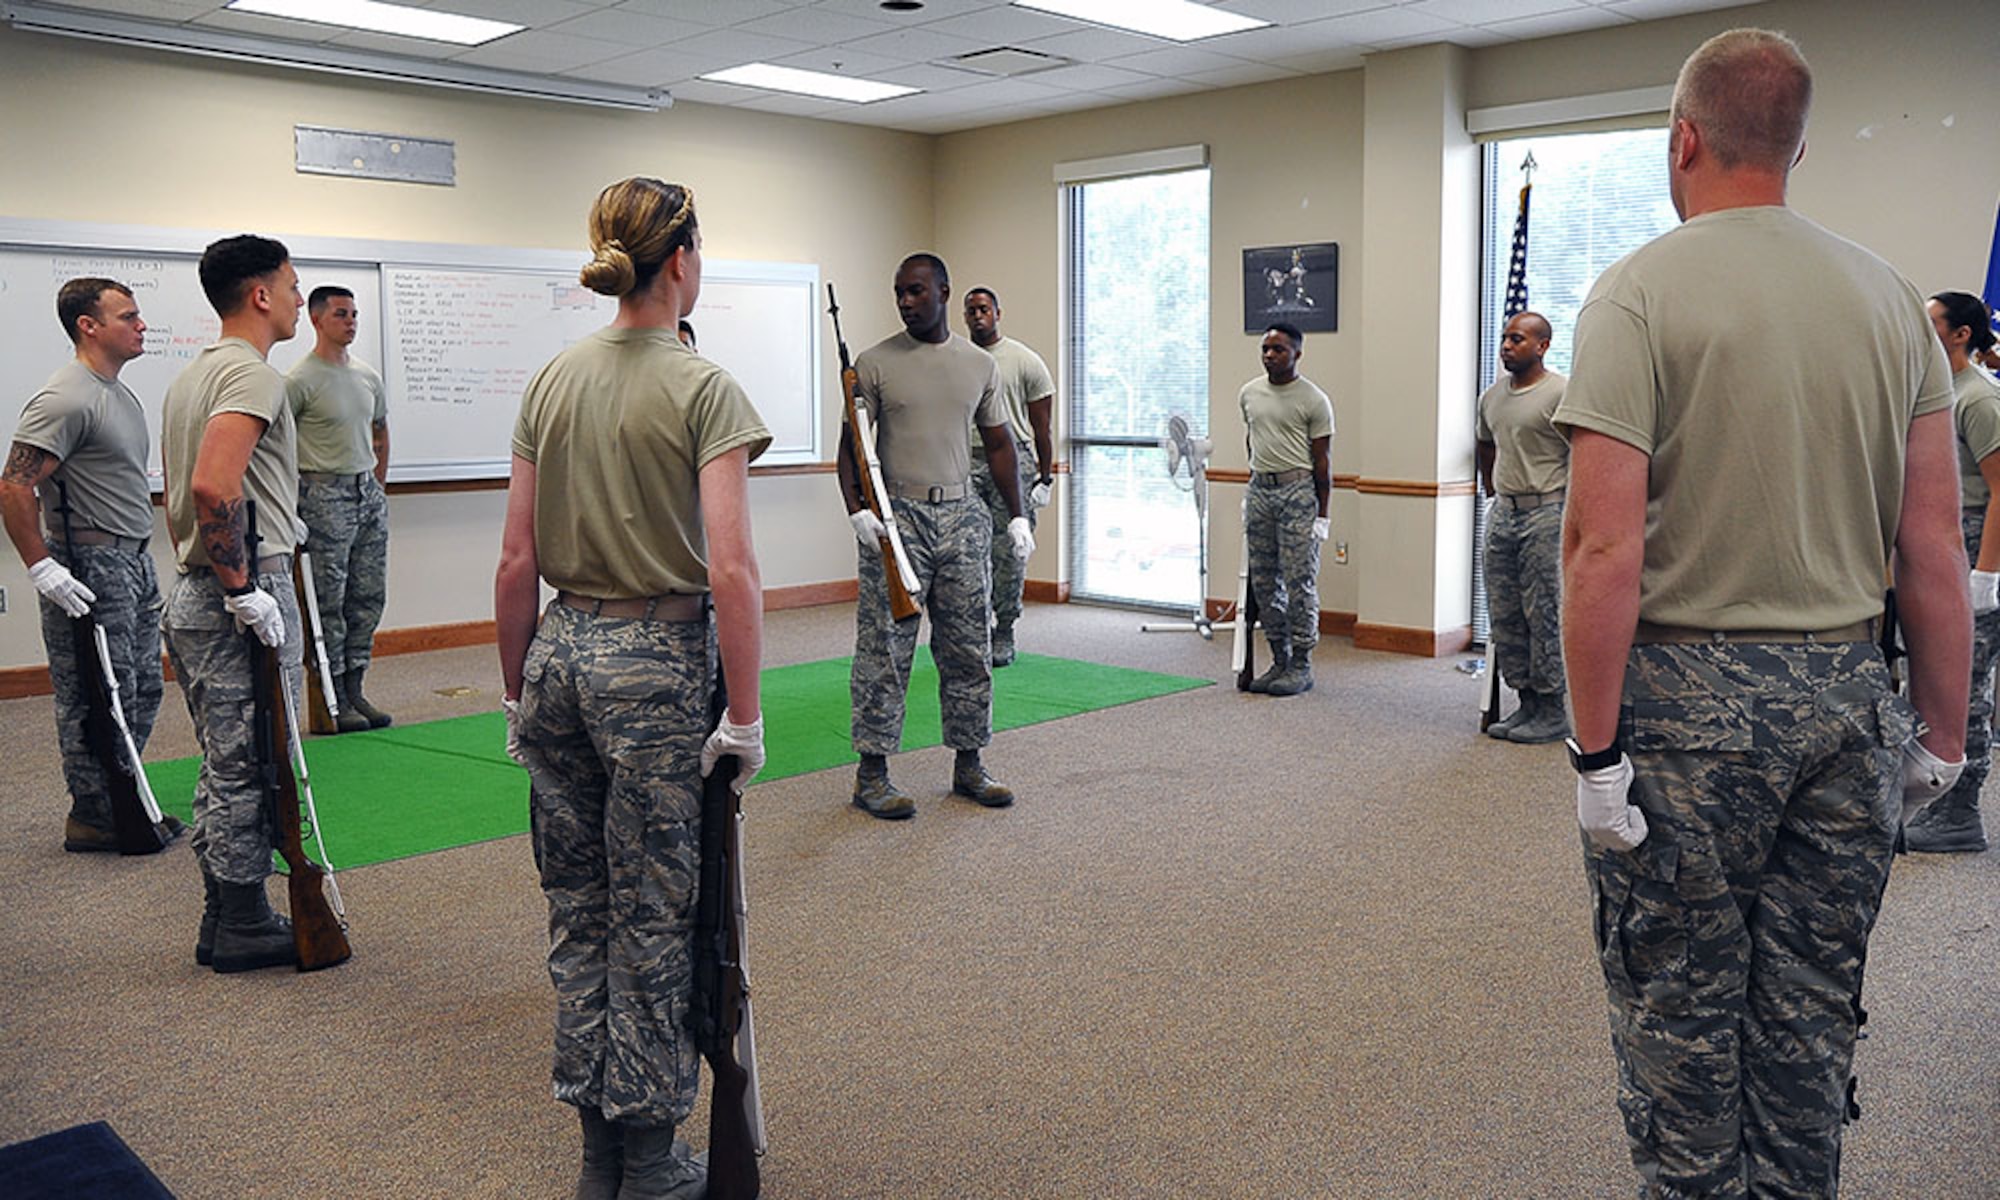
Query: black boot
[248, 935]
[349, 719]
[603, 1157]
[211, 909]
[356, 702]
[1281, 661]
[659, 1168]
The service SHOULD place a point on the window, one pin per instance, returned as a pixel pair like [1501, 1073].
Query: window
[1596, 198]
[1135, 355]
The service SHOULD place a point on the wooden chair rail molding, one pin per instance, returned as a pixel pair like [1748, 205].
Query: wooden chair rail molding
[1365, 485]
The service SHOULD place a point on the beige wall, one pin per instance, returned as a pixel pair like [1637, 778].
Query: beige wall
[1904, 157]
[182, 142]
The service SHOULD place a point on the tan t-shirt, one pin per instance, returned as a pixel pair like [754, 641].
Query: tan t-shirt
[1530, 455]
[619, 426]
[96, 428]
[1978, 432]
[1776, 481]
[231, 377]
[921, 396]
[1024, 378]
[1283, 420]
[336, 409]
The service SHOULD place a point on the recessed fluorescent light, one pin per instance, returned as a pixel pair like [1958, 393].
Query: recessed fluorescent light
[1178, 20]
[809, 83]
[383, 18]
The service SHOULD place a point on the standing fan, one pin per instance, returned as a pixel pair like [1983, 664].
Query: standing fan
[1188, 455]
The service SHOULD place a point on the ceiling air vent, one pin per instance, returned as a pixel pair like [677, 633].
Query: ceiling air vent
[1008, 60]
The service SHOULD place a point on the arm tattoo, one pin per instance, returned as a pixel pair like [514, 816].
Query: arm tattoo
[24, 464]
[221, 530]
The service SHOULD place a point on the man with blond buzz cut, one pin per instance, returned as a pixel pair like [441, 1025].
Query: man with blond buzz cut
[86, 432]
[1735, 496]
[342, 412]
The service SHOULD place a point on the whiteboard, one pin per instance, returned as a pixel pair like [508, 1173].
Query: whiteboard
[457, 331]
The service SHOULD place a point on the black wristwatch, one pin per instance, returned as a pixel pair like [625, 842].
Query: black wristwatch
[1045, 480]
[1597, 760]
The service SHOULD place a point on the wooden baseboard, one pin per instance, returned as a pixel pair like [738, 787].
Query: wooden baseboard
[1332, 622]
[1401, 639]
[418, 638]
[809, 595]
[1045, 591]
[16, 682]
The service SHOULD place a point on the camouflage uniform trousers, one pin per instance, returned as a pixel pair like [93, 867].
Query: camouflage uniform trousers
[948, 543]
[1010, 574]
[1524, 594]
[127, 608]
[349, 546]
[1732, 939]
[1284, 563]
[613, 715]
[212, 661]
[1985, 653]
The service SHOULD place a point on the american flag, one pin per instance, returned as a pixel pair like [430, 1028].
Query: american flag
[1517, 261]
[1992, 295]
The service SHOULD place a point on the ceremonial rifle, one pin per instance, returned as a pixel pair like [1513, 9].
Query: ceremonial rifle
[720, 1017]
[322, 700]
[868, 474]
[1243, 653]
[318, 930]
[135, 815]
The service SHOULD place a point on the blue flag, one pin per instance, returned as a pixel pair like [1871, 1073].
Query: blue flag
[1992, 293]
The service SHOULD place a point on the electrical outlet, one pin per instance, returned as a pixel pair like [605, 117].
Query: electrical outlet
[3, 600]
[1340, 554]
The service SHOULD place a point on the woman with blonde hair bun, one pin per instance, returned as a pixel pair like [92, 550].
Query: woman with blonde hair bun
[629, 495]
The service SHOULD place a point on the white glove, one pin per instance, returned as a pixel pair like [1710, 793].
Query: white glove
[1601, 808]
[868, 528]
[1039, 494]
[746, 742]
[1321, 528]
[300, 533]
[257, 610]
[1023, 537]
[512, 708]
[63, 589]
[1925, 776]
[1985, 591]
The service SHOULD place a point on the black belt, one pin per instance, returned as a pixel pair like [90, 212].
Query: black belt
[1273, 478]
[331, 476]
[935, 493]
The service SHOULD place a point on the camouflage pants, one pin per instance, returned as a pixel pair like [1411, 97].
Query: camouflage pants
[1732, 939]
[613, 716]
[1010, 574]
[212, 661]
[1985, 653]
[1284, 562]
[348, 542]
[1524, 594]
[948, 543]
[128, 610]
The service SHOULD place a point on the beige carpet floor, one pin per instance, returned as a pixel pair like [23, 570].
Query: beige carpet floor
[1225, 946]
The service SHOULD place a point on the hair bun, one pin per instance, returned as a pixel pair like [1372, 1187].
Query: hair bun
[610, 272]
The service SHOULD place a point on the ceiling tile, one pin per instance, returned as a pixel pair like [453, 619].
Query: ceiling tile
[841, 60]
[1088, 77]
[1386, 26]
[538, 51]
[1281, 41]
[1149, 91]
[1293, 12]
[917, 45]
[532, 13]
[629, 29]
[1320, 61]
[731, 48]
[1001, 25]
[931, 11]
[176, 11]
[1180, 60]
[271, 27]
[1653, 10]
[389, 43]
[1488, 12]
[1096, 45]
[1239, 75]
[647, 68]
[930, 77]
[707, 12]
[1554, 24]
[820, 26]
[793, 106]
[703, 91]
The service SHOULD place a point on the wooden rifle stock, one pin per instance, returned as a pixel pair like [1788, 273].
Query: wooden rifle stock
[721, 996]
[901, 603]
[1246, 613]
[316, 930]
[131, 825]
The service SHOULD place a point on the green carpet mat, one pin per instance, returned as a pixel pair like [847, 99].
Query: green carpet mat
[391, 793]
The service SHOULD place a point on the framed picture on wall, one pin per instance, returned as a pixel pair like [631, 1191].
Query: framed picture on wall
[1299, 285]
